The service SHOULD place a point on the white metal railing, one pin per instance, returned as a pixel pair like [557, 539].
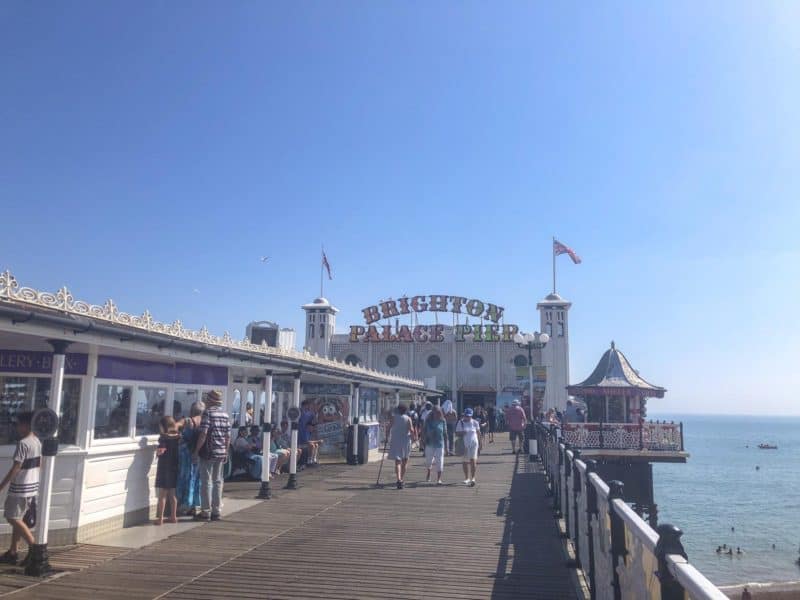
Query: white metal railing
[621, 555]
[648, 435]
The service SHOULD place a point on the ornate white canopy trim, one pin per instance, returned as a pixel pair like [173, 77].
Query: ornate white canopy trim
[63, 301]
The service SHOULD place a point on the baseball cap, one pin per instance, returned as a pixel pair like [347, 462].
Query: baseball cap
[468, 412]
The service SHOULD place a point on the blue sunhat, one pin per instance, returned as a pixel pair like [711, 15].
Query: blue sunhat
[468, 412]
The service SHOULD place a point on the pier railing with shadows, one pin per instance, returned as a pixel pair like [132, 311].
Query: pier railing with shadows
[647, 435]
[619, 553]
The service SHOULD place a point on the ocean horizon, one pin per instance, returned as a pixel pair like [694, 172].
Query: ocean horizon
[731, 492]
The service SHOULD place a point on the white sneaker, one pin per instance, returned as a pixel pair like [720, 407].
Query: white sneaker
[472, 483]
[466, 482]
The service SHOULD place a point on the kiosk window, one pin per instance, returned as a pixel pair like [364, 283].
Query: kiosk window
[113, 411]
[151, 404]
[18, 394]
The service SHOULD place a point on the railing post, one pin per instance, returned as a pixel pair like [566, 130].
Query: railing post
[576, 492]
[669, 542]
[566, 473]
[641, 436]
[558, 470]
[618, 550]
[602, 440]
[591, 512]
[681, 425]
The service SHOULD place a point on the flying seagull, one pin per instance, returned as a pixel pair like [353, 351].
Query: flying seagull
[196, 291]
[264, 258]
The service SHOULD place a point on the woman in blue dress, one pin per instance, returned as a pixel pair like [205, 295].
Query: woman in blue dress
[188, 481]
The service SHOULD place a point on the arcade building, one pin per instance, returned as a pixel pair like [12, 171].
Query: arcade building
[463, 347]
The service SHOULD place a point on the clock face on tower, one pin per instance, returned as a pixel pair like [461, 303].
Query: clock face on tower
[44, 423]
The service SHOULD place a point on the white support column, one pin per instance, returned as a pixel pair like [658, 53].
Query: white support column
[397, 398]
[265, 492]
[39, 560]
[356, 409]
[291, 484]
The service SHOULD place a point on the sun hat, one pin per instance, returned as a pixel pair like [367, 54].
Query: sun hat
[468, 412]
[214, 398]
[515, 403]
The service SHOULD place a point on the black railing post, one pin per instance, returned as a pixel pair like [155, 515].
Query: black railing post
[602, 440]
[641, 436]
[681, 425]
[591, 511]
[566, 473]
[558, 469]
[576, 492]
[669, 542]
[618, 550]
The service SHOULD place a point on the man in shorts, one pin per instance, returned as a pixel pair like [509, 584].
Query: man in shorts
[516, 421]
[24, 479]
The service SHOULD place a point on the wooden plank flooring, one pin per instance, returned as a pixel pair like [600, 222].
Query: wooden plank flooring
[341, 537]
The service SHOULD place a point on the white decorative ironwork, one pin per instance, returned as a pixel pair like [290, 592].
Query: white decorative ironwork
[63, 301]
[624, 436]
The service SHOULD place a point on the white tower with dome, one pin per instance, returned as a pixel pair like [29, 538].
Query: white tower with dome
[554, 321]
[320, 326]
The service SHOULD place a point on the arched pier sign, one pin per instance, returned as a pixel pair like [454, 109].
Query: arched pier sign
[492, 331]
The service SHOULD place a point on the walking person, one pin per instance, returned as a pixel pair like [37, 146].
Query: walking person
[435, 427]
[188, 480]
[167, 470]
[212, 450]
[24, 479]
[401, 434]
[491, 416]
[468, 430]
[515, 418]
[451, 418]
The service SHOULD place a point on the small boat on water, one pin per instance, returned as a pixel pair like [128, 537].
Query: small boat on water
[767, 446]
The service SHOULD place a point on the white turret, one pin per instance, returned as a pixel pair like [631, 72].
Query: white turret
[320, 326]
[554, 313]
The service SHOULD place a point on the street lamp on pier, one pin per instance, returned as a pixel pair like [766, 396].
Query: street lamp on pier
[531, 341]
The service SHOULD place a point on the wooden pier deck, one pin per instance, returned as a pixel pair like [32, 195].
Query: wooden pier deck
[340, 537]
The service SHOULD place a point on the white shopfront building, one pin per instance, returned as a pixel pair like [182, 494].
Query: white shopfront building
[122, 374]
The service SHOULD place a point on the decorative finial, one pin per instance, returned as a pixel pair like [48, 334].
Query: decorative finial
[612, 344]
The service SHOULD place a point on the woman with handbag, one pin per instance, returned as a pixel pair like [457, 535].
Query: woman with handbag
[468, 431]
[434, 428]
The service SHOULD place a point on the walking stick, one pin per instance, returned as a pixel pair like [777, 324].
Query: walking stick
[383, 457]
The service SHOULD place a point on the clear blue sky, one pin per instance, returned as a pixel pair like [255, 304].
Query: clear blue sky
[149, 149]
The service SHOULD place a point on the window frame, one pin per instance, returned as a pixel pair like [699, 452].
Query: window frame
[83, 379]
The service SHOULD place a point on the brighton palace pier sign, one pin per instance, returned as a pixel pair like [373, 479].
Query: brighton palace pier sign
[490, 332]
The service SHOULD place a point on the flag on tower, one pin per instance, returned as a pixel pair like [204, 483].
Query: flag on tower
[327, 265]
[559, 248]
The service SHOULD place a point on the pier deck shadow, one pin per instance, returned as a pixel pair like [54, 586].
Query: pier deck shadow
[340, 537]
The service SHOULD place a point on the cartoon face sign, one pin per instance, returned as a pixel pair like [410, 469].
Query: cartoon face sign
[328, 413]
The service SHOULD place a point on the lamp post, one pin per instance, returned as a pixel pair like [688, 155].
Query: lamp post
[531, 342]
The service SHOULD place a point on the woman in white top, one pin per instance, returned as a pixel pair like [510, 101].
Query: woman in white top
[468, 430]
[401, 434]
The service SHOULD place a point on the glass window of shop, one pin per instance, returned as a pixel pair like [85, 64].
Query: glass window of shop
[112, 411]
[151, 406]
[184, 398]
[20, 394]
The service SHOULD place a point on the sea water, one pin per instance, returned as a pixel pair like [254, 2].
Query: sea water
[731, 492]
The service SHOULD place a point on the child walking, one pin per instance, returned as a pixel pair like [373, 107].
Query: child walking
[167, 470]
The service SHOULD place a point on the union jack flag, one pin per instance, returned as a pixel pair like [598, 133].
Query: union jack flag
[559, 248]
[326, 264]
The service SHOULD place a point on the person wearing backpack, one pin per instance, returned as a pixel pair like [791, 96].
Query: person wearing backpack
[434, 428]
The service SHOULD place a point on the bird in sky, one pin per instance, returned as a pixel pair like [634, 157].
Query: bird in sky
[196, 291]
[264, 259]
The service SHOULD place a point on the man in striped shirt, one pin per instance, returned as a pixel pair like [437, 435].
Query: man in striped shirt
[212, 450]
[24, 479]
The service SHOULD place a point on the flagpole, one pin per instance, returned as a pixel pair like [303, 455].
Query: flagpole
[553, 248]
[322, 250]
